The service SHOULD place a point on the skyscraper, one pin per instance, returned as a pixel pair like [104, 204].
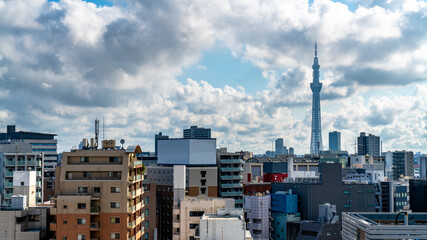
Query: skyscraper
[279, 146]
[316, 124]
[335, 141]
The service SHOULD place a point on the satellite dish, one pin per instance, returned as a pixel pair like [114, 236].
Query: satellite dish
[122, 141]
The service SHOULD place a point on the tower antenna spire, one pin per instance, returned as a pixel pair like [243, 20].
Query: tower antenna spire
[315, 48]
[316, 123]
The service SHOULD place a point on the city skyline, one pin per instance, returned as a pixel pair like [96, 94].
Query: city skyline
[154, 67]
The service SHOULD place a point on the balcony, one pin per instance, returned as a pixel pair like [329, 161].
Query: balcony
[8, 195]
[94, 226]
[38, 174]
[232, 185]
[21, 163]
[231, 193]
[8, 184]
[32, 162]
[52, 226]
[231, 161]
[38, 194]
[9, 174]
[131, 224]
[131, 209]
[38, 184]
[10, 163]
[238, 201]
[175, 223]
[231, 169]
[232, 177]
[95, 210]
[255, 226]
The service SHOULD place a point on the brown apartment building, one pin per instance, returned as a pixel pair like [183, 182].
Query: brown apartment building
[98, 195]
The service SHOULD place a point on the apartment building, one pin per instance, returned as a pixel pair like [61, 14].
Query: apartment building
[40, 143]
[98, 195]
[230, 171]
[258, 214]
[18, 156]
[225, 224]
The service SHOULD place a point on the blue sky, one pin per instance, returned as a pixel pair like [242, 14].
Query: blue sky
[242, 68]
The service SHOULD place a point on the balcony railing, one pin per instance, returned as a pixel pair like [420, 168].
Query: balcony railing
[95, 209]
[231, 161]
[8, 184]
[231, 193]
[10, 163]
[231, 169]
[232, 185]
[8, 174]
[232, 177]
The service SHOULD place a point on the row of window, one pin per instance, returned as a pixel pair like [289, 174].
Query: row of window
[83, 236]
[83, 205]
[86, 159]
[97, 190]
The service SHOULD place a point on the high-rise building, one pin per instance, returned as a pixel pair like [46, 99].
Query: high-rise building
[418, 195]
[197, 132]
[18, 156]
[316, 124]
[40, 143]
[335, 141]
[291, 151]
[403, 164]
[423, 166]
[98, 195]
[230, 180]
[279, 146]
[368, 145]
[158, 137]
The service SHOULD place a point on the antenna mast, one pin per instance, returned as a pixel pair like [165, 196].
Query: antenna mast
[96, 133]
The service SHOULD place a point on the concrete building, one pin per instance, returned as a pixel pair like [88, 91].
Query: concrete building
[258, 215]
[329, 187]
[394, 195]
[197, 132]
[291, 151]
[423, 166]
[182, 151]
[18, 156]
[98, 195]
[41, 143]
[158, 137]
[279, 146]
[160, 180]
[403, 164]
[384, 226]
[187, 215]
[230, 180]
[284, 209]
[368, 145]
[335, 141]
[226, 224]
[418, 195]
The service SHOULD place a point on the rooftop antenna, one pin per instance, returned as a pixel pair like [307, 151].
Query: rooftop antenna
[96, 133]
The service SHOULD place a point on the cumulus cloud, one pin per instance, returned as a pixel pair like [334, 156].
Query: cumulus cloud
[62, 64]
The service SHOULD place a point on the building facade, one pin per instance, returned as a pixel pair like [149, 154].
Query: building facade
[335, 141]
[197, 132]
[258, 215]
[225, 224]
[279, 146]
[158, 137]
[368, 145]
[230, 179]
[98, 195]
[403, 164]
[18, 156]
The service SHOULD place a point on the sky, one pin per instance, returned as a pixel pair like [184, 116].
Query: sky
[239, 67]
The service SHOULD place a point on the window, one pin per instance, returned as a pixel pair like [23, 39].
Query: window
[22, 183]
[81, 205]
[146, 236]
[196, 213]
[81, 237]
[193, 226]
[203, 190]
[359, 191]
[360, 205]
[84, 159]
[115, 205]
[203, 182]
[346, 205]
[96, 189]
[203, 173]
[147, 200]
[115, 190]
[82, 189]
[115, 220]
[65, 206]
[64, 238]
[346, 192]
[114, 159]
[86, 174]
[115, 235]
[147, 223]
[147, 212]
[81, 221]
[64, 222]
